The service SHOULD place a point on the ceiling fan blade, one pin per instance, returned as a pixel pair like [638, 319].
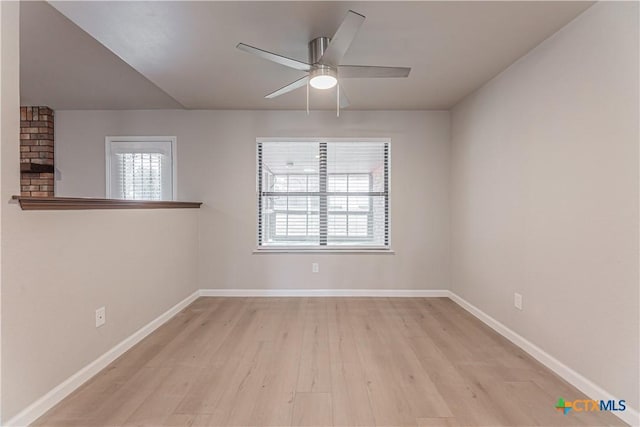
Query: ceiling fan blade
[279, 59]
[364, 71]
[288, 88]
[342, 38]
[344, 101]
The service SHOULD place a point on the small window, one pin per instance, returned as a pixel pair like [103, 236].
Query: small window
[140, 168]
[323, 194]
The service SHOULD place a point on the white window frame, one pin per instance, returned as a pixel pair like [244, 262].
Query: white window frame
[329, 249]
[172, 140]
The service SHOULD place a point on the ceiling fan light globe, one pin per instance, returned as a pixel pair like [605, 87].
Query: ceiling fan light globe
[323, 82]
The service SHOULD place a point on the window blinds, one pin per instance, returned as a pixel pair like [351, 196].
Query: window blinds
[139, 176]
[140, 170]
[323, 194]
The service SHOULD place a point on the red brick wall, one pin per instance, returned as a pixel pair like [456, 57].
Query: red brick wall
[36, 151]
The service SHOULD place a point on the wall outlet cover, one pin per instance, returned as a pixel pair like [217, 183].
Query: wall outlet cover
[101, 317]
[517, 301]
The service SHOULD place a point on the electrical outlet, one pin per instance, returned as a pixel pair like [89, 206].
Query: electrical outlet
[315, 267]
[517, 301]
[101, 317]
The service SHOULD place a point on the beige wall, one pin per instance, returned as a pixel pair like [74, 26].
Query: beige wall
[136, 263]
[58, 267]
[216, 164]
[545, 197]
[9, 124]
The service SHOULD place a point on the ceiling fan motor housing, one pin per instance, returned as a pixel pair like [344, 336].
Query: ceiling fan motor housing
[317, 47]
[324, 73]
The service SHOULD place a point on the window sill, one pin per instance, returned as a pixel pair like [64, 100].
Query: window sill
[81, 203]
[360, 251]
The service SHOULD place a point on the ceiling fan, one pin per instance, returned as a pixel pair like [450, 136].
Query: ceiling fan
[324, 67]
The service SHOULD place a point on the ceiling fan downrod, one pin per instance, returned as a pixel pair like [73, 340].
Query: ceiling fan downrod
[317, 48]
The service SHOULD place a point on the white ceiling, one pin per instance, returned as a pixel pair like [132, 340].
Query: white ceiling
[187, 49]
[63, 67]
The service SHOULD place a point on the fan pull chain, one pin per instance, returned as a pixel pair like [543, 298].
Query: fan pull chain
[338, 101]
[307, 97]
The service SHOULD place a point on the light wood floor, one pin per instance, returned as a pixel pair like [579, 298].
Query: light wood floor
[323, 361]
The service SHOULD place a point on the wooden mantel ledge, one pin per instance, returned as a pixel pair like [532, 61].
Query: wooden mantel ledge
[80, 203]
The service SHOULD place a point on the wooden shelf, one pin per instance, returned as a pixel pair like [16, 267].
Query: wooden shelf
[81, 203]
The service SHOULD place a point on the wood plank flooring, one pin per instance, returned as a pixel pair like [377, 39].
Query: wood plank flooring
[323, 362]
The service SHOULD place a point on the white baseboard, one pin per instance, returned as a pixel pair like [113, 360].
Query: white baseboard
[49, 400]
[588, 387]
[433, 293]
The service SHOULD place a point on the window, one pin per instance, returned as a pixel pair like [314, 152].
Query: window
[140, 168]
[323, 194]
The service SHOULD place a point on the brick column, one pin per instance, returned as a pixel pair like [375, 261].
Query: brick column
[36, 151]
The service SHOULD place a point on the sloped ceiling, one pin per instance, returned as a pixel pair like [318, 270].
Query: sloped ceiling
[187, 50]
[63, 67]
